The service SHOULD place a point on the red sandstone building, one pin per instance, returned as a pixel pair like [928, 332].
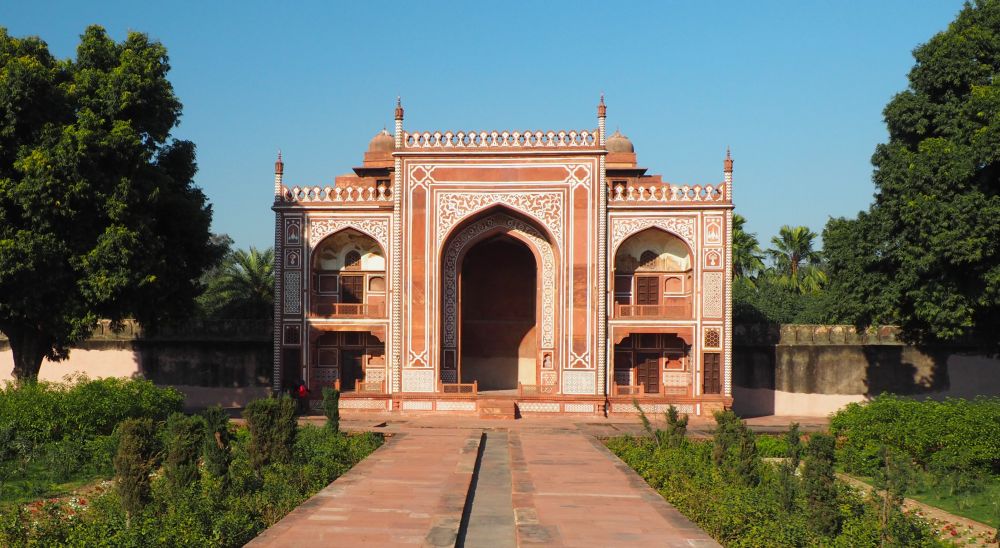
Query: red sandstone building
[476, 271]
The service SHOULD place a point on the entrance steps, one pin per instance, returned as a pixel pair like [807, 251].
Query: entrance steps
[498, 409]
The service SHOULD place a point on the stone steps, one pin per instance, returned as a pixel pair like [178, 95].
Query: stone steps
[498, 409]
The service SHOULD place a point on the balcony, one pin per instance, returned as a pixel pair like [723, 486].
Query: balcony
[678, 308]
[348, 310]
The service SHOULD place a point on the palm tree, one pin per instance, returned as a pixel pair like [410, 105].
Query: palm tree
[748, 259]
[796, 262]
[243, 287]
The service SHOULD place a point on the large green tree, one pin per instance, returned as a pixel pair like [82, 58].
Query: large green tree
[99, 216]
[928, 250]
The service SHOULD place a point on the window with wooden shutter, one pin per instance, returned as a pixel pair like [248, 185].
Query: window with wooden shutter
[647, 290]
[352, 289]
[648, 371]
[712, 374]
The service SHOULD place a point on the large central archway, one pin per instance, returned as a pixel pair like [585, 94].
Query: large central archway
[497, 342]
[498, 304]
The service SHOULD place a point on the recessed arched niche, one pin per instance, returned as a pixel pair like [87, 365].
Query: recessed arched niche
[653, 276]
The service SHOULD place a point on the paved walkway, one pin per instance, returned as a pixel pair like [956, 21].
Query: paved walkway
[512, 483]
[411, 491]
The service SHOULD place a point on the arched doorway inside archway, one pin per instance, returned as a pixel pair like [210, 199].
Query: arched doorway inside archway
[497, 314]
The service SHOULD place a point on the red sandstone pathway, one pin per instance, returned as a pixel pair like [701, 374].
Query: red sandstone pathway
[567, 490]
[411, 491]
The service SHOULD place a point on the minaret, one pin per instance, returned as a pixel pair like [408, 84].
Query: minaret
[727, 167]
[395, 350]
[603, 348]
[279, 170]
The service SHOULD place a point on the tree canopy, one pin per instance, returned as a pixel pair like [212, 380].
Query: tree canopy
[241, 287]
[926, 255]
[99, 216]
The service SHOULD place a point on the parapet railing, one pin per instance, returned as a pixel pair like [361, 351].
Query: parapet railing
[500, 139]
[668, 192]
[668, 311]
[349, 310]
[380, 192]
[459, 388]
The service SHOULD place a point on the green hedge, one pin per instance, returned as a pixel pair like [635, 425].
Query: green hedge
[46, 411]
[212, 511]
[946, 436]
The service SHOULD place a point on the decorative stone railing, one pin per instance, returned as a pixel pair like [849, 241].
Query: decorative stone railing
[679, 308]
[500, 139]
[337, 194]
[666, 192]
[348, 310]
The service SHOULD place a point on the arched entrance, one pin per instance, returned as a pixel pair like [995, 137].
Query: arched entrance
[498, 279]
[497, 300]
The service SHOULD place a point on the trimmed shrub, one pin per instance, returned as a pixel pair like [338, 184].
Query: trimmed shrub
[819, 484]
[271, 423]
[184, 436]
[134, 461]
[331, 408]
[215, 448]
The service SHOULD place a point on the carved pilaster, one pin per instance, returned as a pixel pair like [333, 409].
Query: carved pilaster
[396, 325]
[602, 265]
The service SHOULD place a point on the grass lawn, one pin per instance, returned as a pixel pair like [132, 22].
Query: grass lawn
[36, 482]
[983, 505]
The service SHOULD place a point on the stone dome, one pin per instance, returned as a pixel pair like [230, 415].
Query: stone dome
[383, 141]
[619, 143]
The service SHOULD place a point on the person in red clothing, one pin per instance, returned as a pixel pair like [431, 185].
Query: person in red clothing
[301, 394]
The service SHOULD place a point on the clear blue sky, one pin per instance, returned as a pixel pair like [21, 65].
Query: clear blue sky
[795, 88]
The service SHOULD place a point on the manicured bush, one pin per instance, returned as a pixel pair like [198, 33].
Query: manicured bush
[697, 477]
[215, 447]
[945, 436]
[819, 484]
[271, 423]
[134, 461]
[183, 438]
[204, 514]
[331, 408]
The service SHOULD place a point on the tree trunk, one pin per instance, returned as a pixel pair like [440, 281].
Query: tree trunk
[29, 347]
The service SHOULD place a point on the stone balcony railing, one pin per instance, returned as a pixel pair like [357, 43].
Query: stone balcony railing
[500, 139]
[677, 308]
[659, 193]
[348, 310]
[379, 193]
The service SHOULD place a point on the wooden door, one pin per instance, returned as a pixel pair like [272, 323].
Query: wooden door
[648, 371]
[647, 290]
[712, 374]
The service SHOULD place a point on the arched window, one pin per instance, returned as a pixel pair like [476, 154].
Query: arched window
[647, 260]
[352, 260]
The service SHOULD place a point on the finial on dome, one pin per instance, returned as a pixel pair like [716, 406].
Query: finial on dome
[727, 164]
[602, 109]
[399, 107]
[279, 166]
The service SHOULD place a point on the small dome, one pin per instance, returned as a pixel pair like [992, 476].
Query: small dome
[382, 142]
[619, 143]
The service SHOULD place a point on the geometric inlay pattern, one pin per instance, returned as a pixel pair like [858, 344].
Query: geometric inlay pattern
[579, 382]
[417, 405]
[456, 405]
[538, 407]
[652, 408]
[377, 228]
[713, 337]
[713, 292]
[621, 229]
[293, 292]
[362, 404]
[418, 380]
[578, 407]
[546, 207]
